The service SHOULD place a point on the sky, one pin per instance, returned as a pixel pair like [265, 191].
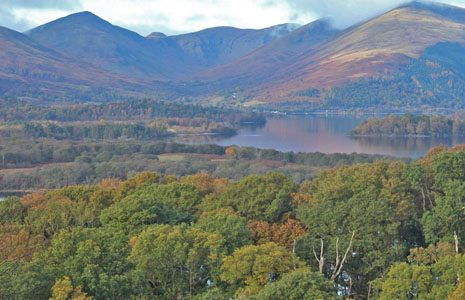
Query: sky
[181, 16]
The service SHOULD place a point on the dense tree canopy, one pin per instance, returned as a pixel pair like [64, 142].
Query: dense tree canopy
[382, 230]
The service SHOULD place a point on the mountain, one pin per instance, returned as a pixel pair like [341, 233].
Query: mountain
[91, 39]
[156, 36]
[327, 58]
[409, 56]
[259, 66]
[221, 45]
[28, 68]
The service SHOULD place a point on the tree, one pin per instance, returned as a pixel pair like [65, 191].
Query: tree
[447, 166]
[18, 244]
[301, 284]
[265, 197]
[63, 290]
[12, 211]
[251, 267]
[227, 223]
[446, 221]
[232, 152]
[439, 280]
[153, 204]
[283, 234]
[95, 259]
[203, 181]
[367, 200]
[177, 261]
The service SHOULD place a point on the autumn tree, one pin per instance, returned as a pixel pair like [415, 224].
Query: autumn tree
[283, 234]
[251, 267]
[63, 289]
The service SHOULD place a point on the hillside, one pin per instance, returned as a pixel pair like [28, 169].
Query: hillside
[157, 56]
[96, 41]
[378, 47]
[407, 57]
[220, 45]
[28, 68]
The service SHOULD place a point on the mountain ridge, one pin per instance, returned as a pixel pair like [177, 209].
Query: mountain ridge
[281, 63]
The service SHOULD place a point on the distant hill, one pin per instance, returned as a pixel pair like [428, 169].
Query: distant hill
[408, 57]
[28, 68]
[96, 41]
[220, 45]
[378, 47]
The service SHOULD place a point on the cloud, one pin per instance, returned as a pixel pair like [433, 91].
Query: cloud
[345, 13]
[24, 14]
[180, 16]
[188, 15]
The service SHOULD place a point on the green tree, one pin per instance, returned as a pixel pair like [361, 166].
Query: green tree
[260, 197]
[438, 280]
[251, 267]
[360, 210]
[301, 284]
[154, 204]
[12, 211]
[95, 259]
[446, 221]
[177, 261]
[227, 223]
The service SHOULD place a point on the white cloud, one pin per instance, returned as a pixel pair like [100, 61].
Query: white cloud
[178, 16]
[188, 15]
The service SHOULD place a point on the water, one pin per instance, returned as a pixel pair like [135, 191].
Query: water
[4, 195]
[326, 134]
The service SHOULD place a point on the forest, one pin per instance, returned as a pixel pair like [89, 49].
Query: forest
[30, 164]
[380, 230]
[128, 109]
[410, 125]
[433, 80]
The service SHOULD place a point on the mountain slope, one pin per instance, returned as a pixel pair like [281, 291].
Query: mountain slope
[158, 57]
[220, 45]
[378, 47]
[260, 65]
[94, 40]
[27, 68]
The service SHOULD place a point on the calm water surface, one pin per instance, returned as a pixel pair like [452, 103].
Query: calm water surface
[326, 134]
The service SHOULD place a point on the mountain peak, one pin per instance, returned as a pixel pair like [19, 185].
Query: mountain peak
[156, 36]
[84, 18]
[444, 10]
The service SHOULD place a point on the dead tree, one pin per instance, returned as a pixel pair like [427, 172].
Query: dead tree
[339, 261]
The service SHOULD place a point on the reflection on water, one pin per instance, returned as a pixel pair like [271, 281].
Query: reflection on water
[327, 134]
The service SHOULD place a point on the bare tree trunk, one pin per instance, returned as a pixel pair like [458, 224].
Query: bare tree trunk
[429, 196]
[424, 199]
[293, 252]
[369, 291]
[321, 260]
[340, 263]
[456, 240]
